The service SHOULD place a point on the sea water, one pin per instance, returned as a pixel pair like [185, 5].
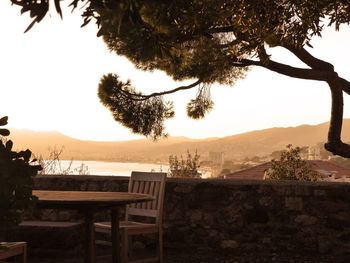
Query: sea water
[117, 168]
[113, 168]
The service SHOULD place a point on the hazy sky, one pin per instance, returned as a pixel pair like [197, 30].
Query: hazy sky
[49, 78]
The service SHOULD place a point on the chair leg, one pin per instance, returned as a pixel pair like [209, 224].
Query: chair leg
[124, 247]
[24, 255]
[130, 250]
[160, 247]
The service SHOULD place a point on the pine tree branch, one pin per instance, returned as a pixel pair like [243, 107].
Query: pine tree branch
[141, 97]
[294, 72]
[318, 64]
[309, 59]
[301, 73]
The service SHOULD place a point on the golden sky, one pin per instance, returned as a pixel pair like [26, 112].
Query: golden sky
[49, 78]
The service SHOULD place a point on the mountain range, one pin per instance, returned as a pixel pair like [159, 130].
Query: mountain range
[255, 143]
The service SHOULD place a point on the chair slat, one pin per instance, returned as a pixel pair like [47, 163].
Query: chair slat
[141, 190]
[156, 202]
[151, 192]
[146, 191]
[134, 188]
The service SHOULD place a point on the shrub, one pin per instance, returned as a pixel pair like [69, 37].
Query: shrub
[290, 166]
[184, 168]
[16, 181]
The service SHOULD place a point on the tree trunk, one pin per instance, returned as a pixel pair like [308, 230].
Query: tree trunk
[322, 71]
[334, 144]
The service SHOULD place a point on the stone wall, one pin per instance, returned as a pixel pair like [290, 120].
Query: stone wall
[240, 216]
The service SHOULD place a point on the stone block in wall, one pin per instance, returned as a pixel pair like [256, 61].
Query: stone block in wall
[257, 215]
[112, 186]
[306, 220]
[267, 201]
[318, 192]
[337, 193]
[183, 188]
[294, 203]
[339, 221]
[175, 235]
[283, 190]
[208, 219]
[229, 244]
[239, 196]
[306, 240]
[84, 186]
[206, 194]
[265, 189]
[326, 244]
[302, 190]
[330, 206]
[93, 186]
[196, 216]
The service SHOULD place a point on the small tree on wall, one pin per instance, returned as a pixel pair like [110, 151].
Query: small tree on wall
[16, 182]
[290, 166]
[184, 168]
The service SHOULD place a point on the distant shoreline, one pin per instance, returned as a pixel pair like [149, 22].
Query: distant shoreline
[114, 161]
[108, 168]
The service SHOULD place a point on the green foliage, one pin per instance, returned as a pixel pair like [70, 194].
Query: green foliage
[184, 168]
[290, 166]
[16, 173]
[198, 107]
[141, 116]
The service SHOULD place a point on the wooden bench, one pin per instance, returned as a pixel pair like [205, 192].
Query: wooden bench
[14, 249]
[47, 238]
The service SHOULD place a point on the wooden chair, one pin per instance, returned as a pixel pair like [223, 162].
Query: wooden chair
[147, 183]
[14, 249]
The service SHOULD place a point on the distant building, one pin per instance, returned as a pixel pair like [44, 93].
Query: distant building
[216, 157]
[314, 153]
[328, 171]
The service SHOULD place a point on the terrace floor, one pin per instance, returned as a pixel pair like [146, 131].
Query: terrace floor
[176, 256]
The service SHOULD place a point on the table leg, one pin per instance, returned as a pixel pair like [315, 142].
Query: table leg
[90, 256]
[115, 236]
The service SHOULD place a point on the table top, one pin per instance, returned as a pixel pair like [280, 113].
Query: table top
[76, 199]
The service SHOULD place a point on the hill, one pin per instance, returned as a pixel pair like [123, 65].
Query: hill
[255, 143]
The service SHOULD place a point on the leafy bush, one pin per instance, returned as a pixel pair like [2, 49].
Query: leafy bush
[290, 166]
[184, 168]
[16, 182]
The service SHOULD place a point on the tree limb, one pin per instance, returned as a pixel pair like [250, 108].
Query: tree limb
[301, 73]
[337, 86]
[315, 73]
[345, 85]
[141, 97]
[310, 60]
[294, 72]
[322, 71]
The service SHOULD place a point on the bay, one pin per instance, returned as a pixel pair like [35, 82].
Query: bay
[113, 168]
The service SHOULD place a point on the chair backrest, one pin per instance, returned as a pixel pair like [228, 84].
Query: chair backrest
[151, 183]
